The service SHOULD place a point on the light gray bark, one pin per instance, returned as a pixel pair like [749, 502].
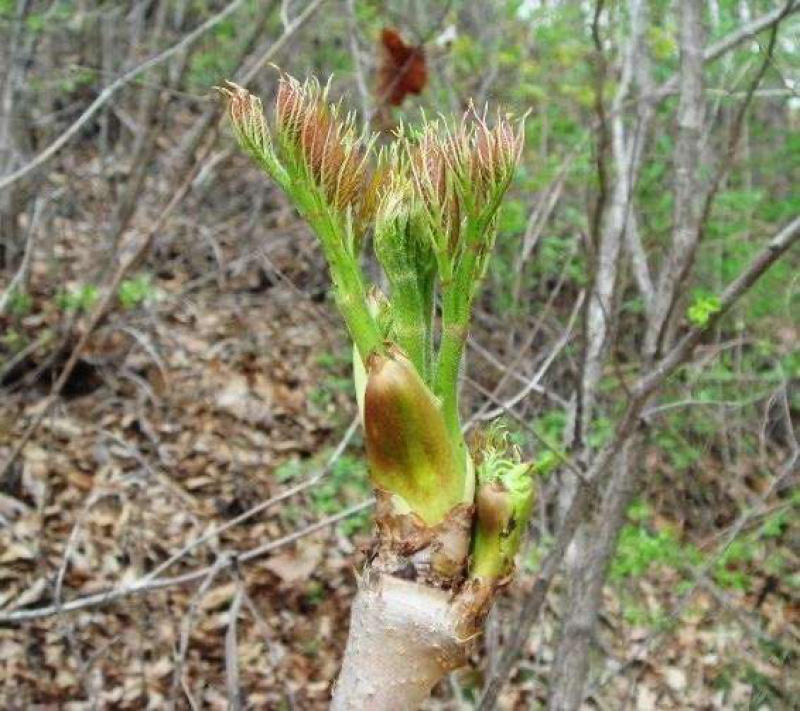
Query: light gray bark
[404, 637]
[12, 204]
[595, 540]
[613, 224]
[639, 262]
[592, 557]
[687, 210]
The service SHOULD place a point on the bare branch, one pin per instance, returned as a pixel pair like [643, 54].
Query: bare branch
[769, 254]
[355, 51]
[736, 132]
[625, 429]
[130, 75]
[261, 507]
[641, 267]
[231, 652]
[616, 174]
[731, 41]
[687, 210]
[19, 280]
[187, 622]
[510, 372]
[533, 383]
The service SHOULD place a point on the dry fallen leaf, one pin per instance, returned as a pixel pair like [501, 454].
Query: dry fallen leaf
[292, 566]
[237, 399]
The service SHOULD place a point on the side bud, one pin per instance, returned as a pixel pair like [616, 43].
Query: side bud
[503, 507]
[247, 117]
[315, 133]
[431, 162]
[408, 448]
[503, 501]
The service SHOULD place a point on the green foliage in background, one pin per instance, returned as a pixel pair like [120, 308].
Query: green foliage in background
[345, 484]
[736, 567]
[702, 309]
[79, 298]
[136, 290]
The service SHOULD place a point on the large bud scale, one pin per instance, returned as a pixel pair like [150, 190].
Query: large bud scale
[408, 447]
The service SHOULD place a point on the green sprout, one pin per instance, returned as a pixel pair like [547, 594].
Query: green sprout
[431, 200]
[81, 298]
[703, 308]
[504, 499]
[135, 291]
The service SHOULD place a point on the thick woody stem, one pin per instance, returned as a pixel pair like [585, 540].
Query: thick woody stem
[404, 637]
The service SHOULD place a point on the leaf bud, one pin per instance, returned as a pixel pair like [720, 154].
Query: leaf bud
[504, 499]
[408, 447]
[324, 143]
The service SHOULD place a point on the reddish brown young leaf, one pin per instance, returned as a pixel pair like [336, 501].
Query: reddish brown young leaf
[402, 70]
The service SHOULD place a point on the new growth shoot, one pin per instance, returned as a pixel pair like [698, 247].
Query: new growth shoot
[430, 200]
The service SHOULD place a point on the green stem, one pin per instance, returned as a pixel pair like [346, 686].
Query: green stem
[410, 325]
[488, 561]
[456, 308]
[427, 284]
[351, 294]
[455, 324]
[351, 298]
[456, 312]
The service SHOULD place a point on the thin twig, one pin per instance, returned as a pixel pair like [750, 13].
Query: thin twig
[361, 82]
[110, 90]
[188, 622]
[626, 427]
[231, 652]
[534, 383]
[19, 280]
[259, 508]
[511, 372]
[731, 41]
[143, 585]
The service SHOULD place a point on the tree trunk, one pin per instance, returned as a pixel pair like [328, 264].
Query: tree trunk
[404, 637]
[591, 556]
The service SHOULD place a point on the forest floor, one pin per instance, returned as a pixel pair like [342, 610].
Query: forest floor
[226, 386]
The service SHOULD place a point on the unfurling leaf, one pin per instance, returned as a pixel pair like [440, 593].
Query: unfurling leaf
[333, 156]
[504, 499]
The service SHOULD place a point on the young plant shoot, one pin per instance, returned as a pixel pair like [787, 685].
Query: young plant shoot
[449, 521]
